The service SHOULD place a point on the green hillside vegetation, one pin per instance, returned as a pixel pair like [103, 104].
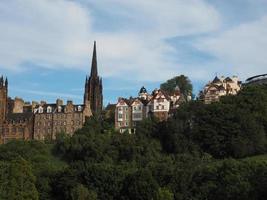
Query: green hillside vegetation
[203, 152]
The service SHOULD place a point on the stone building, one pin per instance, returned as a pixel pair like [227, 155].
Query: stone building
[50, 119]
[93, 87]
[17, 126]
[160, 104]
[26, 121]
[220, 87]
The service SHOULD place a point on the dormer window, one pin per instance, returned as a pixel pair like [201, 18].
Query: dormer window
[40, 110]
[59, 109]
[49, 109]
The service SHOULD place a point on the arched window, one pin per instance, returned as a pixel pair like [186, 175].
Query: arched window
[59, 109]
[40, 110]
[49, 109]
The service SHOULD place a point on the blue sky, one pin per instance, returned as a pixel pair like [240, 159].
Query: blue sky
[46, 45]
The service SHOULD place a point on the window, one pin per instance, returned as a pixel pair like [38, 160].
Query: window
[126, 123]
[160, 100]
[14, 130]
[41, 110]
[120, 108]
[137, 115]
[49, 109]
[157, 107]
[162, 107]
[120, 116]
[79, 108]
[59, 109]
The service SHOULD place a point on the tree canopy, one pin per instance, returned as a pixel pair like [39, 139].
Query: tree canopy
[215, 151]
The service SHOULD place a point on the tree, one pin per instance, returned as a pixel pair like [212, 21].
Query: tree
[182, 81]
[82, 193]
[140, 186]
[165, 194]
[17, 181]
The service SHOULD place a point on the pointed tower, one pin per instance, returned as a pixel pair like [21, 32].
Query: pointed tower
[3, 99]
[93, 87]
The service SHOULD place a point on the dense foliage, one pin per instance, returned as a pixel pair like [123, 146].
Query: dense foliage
[215, 151]
[182, 82]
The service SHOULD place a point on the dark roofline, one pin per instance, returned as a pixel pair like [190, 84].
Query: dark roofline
[250, 78]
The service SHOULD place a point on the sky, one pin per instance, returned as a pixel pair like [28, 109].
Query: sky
[46, 45]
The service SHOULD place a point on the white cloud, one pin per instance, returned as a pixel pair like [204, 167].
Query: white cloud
[240, 50]
[45, 32]
[49, 94]
[56, 33]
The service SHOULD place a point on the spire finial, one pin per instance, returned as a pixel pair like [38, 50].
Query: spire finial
[94, 63]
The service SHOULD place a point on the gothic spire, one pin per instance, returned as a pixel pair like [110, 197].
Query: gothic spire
[2, 80]
[94, 63]
[6, 82]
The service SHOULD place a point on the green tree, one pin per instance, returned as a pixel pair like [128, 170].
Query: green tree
[165, 194]
[82, 193]
[140, 186]
[182, 81]
[17, 181]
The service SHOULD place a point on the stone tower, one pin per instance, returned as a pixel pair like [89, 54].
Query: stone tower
[3, 99]
[93, 87]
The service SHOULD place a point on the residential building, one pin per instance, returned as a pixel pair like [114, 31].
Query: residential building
[220, 87]
[159, 104]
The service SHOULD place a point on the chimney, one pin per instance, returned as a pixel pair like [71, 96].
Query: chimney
[60, 102]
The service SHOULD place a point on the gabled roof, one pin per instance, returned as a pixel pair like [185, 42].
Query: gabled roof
[124, 100]
[218, 87]
[157, 92]
[228, 79]
[216, 80]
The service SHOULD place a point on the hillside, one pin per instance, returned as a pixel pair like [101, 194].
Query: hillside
[215, 151]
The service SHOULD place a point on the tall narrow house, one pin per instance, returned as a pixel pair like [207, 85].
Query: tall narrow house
[93, 87]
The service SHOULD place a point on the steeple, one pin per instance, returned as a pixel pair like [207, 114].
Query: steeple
[94, 63]
[6, 83]
[93, 87]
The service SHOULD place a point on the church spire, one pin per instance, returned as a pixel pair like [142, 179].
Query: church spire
[94, 63]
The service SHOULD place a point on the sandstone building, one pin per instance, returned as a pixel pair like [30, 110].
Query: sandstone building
[159, 104]
[40, 120]
[220, 87]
